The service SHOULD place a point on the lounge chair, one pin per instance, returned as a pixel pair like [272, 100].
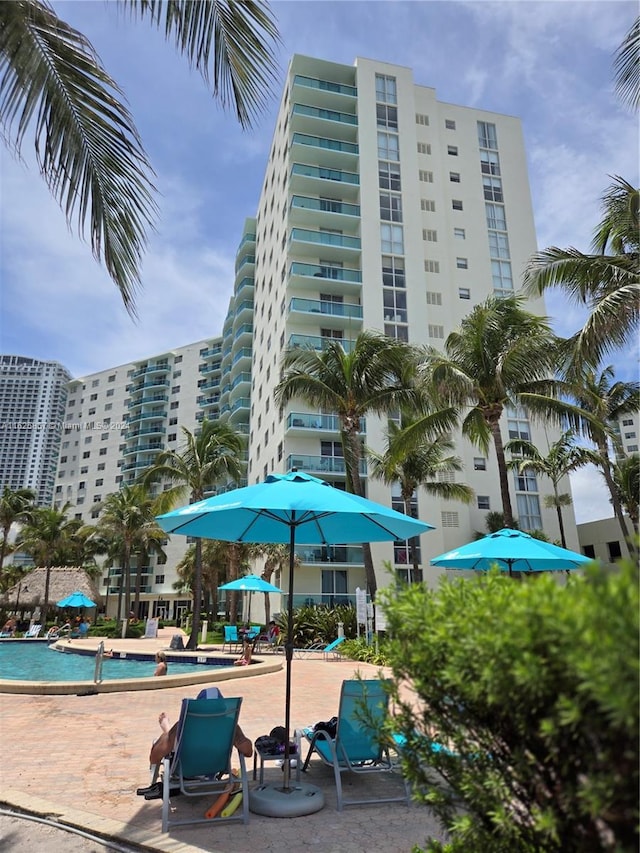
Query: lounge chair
[328, 650]
[202, 760]
[33, 632]
[231, 638]
[355, 746]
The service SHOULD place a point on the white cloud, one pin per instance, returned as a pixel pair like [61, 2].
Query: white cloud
[590, 495]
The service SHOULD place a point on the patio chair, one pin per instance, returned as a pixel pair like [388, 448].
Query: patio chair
[201, 763]
[231, 638]
[355, 747]
[328, 650]
[33, 632]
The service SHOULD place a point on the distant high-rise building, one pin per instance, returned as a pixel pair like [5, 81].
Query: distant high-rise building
[32, 405]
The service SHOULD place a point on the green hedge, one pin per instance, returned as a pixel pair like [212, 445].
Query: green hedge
[533, 688]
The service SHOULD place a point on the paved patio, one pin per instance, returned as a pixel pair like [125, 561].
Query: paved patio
[80, 759]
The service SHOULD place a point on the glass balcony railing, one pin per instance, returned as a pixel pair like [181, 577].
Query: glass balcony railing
[246, 305]
[328, 309]
[322, 271]
[208, 401]
[325, 423]
[330, 553]
[245, 352]
[325, 238]
[247, 283]
[325, 205]
[137, 432]
[212, 383]
[327, 115]
[138, 448]
[321, 464]
[242, 403]
[325, 85]
[247, 238]
[324, 142]
[159, 382]
[318, 343]
[157, 398]
[157, 416]
[240, 378]
[209, 368]
[209, 353]
[245, 259]
[324, 174]
[151, 368]
[245, 329]
[330, 600]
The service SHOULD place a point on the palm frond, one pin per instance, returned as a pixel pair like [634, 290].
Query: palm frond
[627, 67]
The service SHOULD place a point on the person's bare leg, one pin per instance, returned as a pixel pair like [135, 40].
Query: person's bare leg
[242, 743]
[165, 743]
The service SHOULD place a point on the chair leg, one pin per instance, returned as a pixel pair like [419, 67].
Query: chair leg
[166, 794]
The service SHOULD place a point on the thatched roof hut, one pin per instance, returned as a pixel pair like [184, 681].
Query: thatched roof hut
[62, 582]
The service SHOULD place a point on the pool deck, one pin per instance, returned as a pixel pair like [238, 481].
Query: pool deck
[79, 759]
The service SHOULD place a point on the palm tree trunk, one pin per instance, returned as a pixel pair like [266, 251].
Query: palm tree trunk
[45, 605]
[351, 450]
[120, 590]
[615, 500]
[192, 642]
[563, 539]
[141, 558]
[494, 425]
[3, 547]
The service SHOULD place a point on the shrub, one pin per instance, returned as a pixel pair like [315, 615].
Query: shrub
[532, 687]
[360, 650]
[319, 624]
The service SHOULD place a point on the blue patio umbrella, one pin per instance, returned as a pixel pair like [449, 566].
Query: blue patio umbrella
[250, 584]
[285, 508]
[76, 599]
[511, 550]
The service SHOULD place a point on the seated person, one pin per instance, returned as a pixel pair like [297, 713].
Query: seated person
[165, 744]
[161, 663]
[247, 651]
[9, 628]
[83, 628]
[273, 634]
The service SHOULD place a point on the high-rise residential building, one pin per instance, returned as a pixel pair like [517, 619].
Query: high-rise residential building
[627, 434]
[32, 406]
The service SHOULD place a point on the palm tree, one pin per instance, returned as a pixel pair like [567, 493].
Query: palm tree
[45, 537]
[127, 517]
[600, 403]
[15, 506]
[420, 466]
[214, 571]
[211, 457]
[564, 456]
[87, 146]
[607, 281]
[374, 377]
[627, 67]
[501, 356]
[276, 559]
[626, 476]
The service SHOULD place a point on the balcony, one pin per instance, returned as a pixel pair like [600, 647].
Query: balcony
[245, 285]
[315, 213]
[245, 307]
[334, 310]
[349, 554]
[211, 352]
[156, 416]
[208, 386]
[324, 151]
[208, 401]
[313, 120]
[338, 280]
[243, 353]
[240, 379]
[209, 368]
[151, 368]
[156, 398]
[158, 382]
[138, 448]
[318, 343]
[326, 465]
[319, 179]
[248, 259]
[245, 331]
[151, 431]
[325, 86]
[308, 241]
[318, 423]
[247, 238]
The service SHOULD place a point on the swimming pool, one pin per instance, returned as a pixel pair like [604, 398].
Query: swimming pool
[39, 662]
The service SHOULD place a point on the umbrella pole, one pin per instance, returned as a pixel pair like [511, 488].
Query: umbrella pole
[289, 654]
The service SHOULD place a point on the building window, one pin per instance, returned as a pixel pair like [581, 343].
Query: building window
[425, 176]
[484, 502]
[435, 331]
[422, 119]
[103, 451]
[459, 234]
[502, 276]
[627, 422]
[110, 392]
[487, 137]
[392, 239]
[86, 454]
[456, 204]
[464, 293]
[428, 204]
[390, 207]
[498, 245]
[429, 235]
[84, 469]
[424, 148]
[387, 116]
[479, 463]
[386, 89]
[489, 162]
[462, 263]
[434, 298]
[389, 176]
[492, 188]
[449, 124]
[450, 519]
[495, 216]
[529, 515]
[452, 150]
[395, 305]
[454, 177]
[614, 550]
[99, 481]
[589, 551]
[388, 147]
[392, 271]
[93, 397]
[95, 383]
[432, 266]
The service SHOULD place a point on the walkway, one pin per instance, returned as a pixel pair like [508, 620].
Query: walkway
[82, 757]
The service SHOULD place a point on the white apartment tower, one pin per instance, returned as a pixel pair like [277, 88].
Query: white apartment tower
[32, 405]
[383, 208]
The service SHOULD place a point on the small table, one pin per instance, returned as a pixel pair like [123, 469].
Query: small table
[277, 756]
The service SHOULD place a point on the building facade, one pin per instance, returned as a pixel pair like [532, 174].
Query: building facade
[32, 410]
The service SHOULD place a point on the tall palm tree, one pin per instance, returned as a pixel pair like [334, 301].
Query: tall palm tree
[607, 281]
[627, 67]
[127, 517]
[276, 559]
[214, 571]
[626, 476]
[89, 152]
[16, 505]
[500, 356]
[210, 458]
[374, 377]
[45, 537]
[418, 467]
[600, 403]
[564, 456]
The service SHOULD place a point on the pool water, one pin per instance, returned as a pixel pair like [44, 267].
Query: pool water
[31, 661]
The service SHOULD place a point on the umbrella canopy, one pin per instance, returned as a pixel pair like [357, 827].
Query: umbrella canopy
[283, 508]
[76, 599]
[511, 550]
[250, 583]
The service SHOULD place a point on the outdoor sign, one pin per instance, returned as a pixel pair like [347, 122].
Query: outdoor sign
[381, 619]
[361, 606]
[151, 629]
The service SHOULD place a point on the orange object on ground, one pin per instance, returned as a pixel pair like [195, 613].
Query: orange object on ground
[220, 803]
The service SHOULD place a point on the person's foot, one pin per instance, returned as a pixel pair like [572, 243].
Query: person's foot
[164, 722]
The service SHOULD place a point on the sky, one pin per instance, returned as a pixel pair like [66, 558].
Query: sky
[550, 63]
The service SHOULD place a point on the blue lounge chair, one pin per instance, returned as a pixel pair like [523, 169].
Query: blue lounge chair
[33, 632]
[231, 638]
[328, 650]
[202, 760]
[356, 747]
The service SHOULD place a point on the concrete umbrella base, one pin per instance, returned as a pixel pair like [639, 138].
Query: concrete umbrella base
[275, 801]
